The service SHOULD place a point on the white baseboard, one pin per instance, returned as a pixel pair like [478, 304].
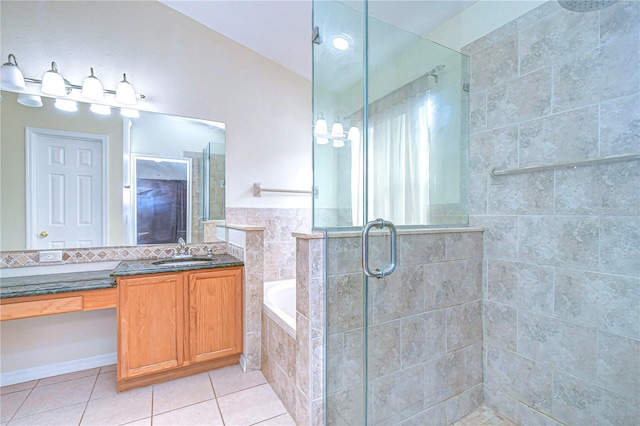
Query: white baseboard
[20, 376]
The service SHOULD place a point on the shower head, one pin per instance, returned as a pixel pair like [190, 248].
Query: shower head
[585, 5]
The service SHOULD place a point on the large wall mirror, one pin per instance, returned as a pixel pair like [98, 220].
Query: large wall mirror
[81, 179]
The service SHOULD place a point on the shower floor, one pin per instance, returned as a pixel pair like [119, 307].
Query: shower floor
[484, 416]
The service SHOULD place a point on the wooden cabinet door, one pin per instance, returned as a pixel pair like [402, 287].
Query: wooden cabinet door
[215, 314]
[150, 324]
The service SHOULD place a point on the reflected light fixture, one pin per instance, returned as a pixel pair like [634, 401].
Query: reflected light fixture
[92, 88]
[322, 136]
[338, 143]
[337, 131]
[321, 131]
[340, 43]
[125, 93]
[33, 101]
[100, 109]
[128, 112]
[67, 105]
[53, 83]
[12, 78]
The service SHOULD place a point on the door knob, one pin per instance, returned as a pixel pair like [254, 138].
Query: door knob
[44, 234]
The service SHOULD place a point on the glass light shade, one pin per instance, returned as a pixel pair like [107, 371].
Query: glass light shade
[92, 88]
[354, 134]
[12, 78]
[33, 101]
[128, 112]
[125, 93]
[338, 143]
[100, 109]
[321, 128]
[322, 141]
[337, 131]
[67, 105]
[340, 43]
[53, 83]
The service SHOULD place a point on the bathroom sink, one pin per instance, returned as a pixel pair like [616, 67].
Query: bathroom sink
[183, 261]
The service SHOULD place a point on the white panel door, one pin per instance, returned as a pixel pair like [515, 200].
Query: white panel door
[65, 180]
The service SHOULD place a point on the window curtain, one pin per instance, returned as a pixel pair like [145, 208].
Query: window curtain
[398, 158]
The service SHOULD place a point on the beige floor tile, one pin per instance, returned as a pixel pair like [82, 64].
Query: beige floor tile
[10, 403]
[118, 409]
[283, 420]
[68, 376]
[64, 416]
[106, 385]
[18, 387]
[232, 379]
[250, 406]
[50, 397]
[181, 392]
[108, 368]
[142, 422]
[203, 413]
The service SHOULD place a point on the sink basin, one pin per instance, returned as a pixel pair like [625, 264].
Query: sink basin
[183, 261]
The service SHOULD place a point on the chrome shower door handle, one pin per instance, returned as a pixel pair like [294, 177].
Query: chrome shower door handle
[379, 273]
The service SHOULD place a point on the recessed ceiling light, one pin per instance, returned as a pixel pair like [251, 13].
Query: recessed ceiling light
[340, 43]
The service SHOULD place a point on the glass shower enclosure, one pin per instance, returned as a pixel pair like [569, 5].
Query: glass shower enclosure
[390, 156]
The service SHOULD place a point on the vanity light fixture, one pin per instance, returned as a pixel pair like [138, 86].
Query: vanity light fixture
[33, 101]
[100, 109]
[12, 78]
[125, 93]
[92, 88]
[66, 105]
[53, 83]
[128, 112]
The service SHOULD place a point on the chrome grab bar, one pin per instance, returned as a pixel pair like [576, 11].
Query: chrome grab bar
[379, 273]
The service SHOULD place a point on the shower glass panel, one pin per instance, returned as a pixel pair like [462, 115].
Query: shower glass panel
[400, 155]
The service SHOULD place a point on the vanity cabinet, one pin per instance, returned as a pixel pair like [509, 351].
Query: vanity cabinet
[175, 324]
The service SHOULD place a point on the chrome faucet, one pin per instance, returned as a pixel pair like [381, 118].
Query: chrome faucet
[184, 250]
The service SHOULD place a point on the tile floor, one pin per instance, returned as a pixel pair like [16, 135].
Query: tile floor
[226, 396]
[484, 416]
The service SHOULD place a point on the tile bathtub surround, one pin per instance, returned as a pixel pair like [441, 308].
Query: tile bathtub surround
[279, 244]
[90, 397]
[425, 334]
[561, 248]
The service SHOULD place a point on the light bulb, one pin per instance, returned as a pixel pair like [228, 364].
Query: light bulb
[337, 131]
[321, 128]
[100, 109]
[128, 112]
[67, 105]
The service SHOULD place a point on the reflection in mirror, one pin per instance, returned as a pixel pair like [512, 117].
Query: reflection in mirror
[200, 142]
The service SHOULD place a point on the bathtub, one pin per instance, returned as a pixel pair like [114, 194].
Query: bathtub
[280, 303]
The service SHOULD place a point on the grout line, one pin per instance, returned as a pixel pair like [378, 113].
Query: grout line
[215, 396]
[86, 405]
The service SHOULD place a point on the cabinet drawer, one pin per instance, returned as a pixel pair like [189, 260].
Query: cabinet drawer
[40, 307]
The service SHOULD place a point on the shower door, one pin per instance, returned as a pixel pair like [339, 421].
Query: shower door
[390, 147]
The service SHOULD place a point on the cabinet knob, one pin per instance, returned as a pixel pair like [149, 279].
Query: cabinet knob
[44, 234]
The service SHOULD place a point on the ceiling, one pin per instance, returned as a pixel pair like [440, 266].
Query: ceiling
[281, 30]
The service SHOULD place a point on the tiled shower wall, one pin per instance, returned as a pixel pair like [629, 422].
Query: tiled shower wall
[279, 244]
[561, 248]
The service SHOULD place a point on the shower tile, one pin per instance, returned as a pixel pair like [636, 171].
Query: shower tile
[463, 404]
[316, 255]
[464, 325]
[527, 416]
[463, 245]
[555, 37]
[500, 325]
[495, 65]
[420, 249]
[477, 111]
[488, 40]
[353, 358]
[444, 377]
[302, 355]
[478, 185]
[618, 367]
[384, 349]
[335, 363]
[620, 245]
[562, 241]
[567, 136]
[587, 78]
[398, 396]
[522, 378]
[346, 407]
[435, 415]
[347, 255]
[495, 148]
[417, 331]
[520, 99]
[562, 344]
[344, 302]
[500, 237]
[317, 368]
[317, 307]
[620, 125]
[504, 404]
[521, 285]
[529, 193]
[606, 302]
[619, 19]
[578, 402]
[399, 295]
[604, 190]
[473, 364]
[302, 283]
[452, 283]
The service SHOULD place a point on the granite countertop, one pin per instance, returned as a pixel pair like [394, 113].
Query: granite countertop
[147, 266]
[37, 285]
